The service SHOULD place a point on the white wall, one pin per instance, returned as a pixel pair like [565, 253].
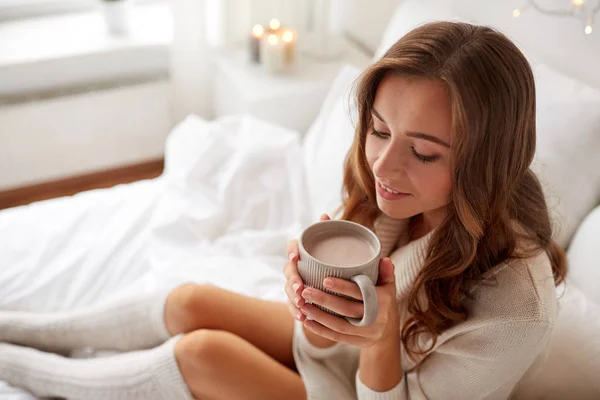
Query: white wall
[82, 133]
[365, 20]
[557, 41]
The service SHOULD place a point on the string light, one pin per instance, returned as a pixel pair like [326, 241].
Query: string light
[588, 27]
[581, 9]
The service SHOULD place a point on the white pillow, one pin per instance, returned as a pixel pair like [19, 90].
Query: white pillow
[327, 142]
[572, 367]
[584, 257]
[568, 144]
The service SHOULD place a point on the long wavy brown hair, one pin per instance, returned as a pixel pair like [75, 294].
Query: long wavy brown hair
[496, 203]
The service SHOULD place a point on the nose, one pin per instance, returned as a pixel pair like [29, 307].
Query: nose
[391, 162]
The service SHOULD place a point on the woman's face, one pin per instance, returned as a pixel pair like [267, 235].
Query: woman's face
[408, 147]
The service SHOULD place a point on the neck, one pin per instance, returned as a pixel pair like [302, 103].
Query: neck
[427, 222]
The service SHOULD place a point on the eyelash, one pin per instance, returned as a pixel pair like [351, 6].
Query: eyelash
[420, 157]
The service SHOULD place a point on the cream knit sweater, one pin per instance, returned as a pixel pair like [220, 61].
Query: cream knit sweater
[485, 357]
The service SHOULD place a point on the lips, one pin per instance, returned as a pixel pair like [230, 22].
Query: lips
[388, 188]
[389, 193]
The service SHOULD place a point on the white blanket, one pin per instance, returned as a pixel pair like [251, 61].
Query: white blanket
[231, 196]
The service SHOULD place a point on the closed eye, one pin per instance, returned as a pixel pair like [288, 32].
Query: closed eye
[422, 157]
[379, 134]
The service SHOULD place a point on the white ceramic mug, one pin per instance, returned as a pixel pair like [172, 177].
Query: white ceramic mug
[363, 272]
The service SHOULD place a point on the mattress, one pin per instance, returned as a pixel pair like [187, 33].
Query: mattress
[231, 196]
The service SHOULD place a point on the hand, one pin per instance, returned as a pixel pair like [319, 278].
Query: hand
[293, 281]
[337, 329]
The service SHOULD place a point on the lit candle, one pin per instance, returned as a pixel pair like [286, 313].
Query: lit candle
[289, 43]
[255, 39]
[274, 25]
[272, 53]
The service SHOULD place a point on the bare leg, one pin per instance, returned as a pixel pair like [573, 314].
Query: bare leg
[230, 338]
[265, 324]
[219, 365]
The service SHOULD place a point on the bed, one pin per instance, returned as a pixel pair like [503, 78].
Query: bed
[235, 190]
[222, 212]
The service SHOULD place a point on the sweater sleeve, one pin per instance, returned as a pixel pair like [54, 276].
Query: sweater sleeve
[483, 363]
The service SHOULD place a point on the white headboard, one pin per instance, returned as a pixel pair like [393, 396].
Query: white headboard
[557, 41]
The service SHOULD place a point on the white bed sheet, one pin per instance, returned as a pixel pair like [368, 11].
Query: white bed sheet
[231, 196]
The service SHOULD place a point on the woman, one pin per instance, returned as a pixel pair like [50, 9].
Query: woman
[439, 169]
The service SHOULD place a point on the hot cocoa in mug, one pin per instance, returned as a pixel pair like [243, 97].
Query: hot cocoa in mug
[345, 250]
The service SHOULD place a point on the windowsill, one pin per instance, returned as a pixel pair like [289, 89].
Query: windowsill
[57, 52]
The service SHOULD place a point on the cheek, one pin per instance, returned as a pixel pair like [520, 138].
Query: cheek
[433, 182]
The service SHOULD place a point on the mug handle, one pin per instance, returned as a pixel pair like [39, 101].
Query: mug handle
[369, 294]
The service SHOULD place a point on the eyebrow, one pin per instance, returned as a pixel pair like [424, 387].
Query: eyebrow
[417, 135]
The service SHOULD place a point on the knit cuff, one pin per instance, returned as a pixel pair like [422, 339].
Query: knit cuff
[157, 313]
[365, 393]
[169, 381]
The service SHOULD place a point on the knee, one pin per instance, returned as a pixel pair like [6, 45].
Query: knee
[203, 347]
[187, 296]
[204, 357]
[185, 307]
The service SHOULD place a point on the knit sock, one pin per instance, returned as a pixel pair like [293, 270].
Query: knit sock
[130, 324]
[143, 374]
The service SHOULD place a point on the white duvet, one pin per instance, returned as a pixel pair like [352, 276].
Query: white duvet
[232, 195]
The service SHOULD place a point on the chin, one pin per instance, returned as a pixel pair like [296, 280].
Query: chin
[396, 211]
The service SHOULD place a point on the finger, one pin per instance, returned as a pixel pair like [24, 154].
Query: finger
[293, 294]
[340, 305]
[324, 217]
[343, 286]
[386, 272]
[295, 312]
[292, 249]
[323, 331]
[290, 271]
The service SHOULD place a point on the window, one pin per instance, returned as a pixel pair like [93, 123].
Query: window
[13, 9]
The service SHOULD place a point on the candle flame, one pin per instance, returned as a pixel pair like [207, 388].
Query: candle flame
[273, 39]
[578, 3]
[274, 24]
[516, 13]
[288, 36]
[588, 29]
[258, 30]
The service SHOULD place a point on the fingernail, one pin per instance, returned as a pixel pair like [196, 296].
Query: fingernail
[297, 301]
[291, 256]
[307, 294]
[296, 286]
[328, 283]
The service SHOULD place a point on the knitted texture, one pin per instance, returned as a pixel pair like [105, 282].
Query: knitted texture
[510, 321]
[130, 324]
[144, 374]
